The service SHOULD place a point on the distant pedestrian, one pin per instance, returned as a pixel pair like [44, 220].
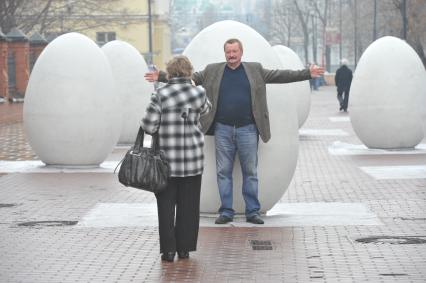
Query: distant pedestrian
[343, 81]
[317, 80]
[311, 81]
[175, 112]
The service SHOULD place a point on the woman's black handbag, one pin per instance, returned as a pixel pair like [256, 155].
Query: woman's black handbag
[145, 168]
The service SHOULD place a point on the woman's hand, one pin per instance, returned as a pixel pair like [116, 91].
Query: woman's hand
[152, 76]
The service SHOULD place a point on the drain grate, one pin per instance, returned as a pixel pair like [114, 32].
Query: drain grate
[259, 245]
[47, 223]
[393, 240]
[2, 205]
[393, 274]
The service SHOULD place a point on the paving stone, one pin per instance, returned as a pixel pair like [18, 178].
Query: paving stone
[300, 253]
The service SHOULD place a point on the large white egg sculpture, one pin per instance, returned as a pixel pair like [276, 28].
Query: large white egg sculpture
[387, 97]
[278, 157]
[71, 116]
[290, 60]
[129, 67]
[424, 116]
[423, 110]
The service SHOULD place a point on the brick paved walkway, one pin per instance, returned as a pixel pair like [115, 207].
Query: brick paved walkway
[13, 145]
[392, 251]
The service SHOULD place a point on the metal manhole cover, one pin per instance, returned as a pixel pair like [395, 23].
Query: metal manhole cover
[47, 223]
[393, 240]
[259, 245]
[7, 205]
[411, 218]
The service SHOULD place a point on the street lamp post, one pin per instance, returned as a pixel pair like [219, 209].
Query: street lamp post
[314, 38]
[375, 21]
[355, 32]
[340, 30]
[404, 19]
[150, 33]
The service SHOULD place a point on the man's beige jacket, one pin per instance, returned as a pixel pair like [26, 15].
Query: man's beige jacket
[210, 78]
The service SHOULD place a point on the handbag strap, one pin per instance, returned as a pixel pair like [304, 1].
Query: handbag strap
[139, 140]
[155, 143]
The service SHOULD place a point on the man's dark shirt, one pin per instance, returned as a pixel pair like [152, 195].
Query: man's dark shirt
[234, 105]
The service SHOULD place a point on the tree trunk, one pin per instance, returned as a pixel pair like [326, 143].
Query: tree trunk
[304, 24]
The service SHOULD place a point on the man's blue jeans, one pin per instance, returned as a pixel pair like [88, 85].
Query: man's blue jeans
[244, 141]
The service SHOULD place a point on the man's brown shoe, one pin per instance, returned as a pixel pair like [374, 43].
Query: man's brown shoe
[222, 219]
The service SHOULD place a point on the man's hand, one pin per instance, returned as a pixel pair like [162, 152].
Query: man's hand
[152, 76]
[316, 71]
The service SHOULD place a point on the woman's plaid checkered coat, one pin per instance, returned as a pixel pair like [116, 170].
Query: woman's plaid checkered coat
[175, 111]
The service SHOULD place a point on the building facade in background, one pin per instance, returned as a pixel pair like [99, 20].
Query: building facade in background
[129, 22]
[141, 23]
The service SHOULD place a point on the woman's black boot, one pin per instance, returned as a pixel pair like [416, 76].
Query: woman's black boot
[168, 256]
[183, 254]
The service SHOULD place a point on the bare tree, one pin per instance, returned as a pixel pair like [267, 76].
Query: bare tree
[355, 18]
[9, 11]
[303, 15]
[321, 9]
[58, 16]
[283, 25]
[401, 5]
[209, 16]
[362, 21]
[413, 23]
[417, 29]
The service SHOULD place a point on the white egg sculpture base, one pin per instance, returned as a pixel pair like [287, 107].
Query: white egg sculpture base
[291, 61]
[278, 157]
[387, 95]
[70, 114]
[129, 67]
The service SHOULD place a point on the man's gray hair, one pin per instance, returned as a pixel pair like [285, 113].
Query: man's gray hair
[344, 61]
[232, 41]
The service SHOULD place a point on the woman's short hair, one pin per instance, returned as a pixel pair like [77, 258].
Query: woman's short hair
[232, 41]
[179, 66]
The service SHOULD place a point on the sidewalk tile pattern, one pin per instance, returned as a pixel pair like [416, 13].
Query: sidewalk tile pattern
[47, 253]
